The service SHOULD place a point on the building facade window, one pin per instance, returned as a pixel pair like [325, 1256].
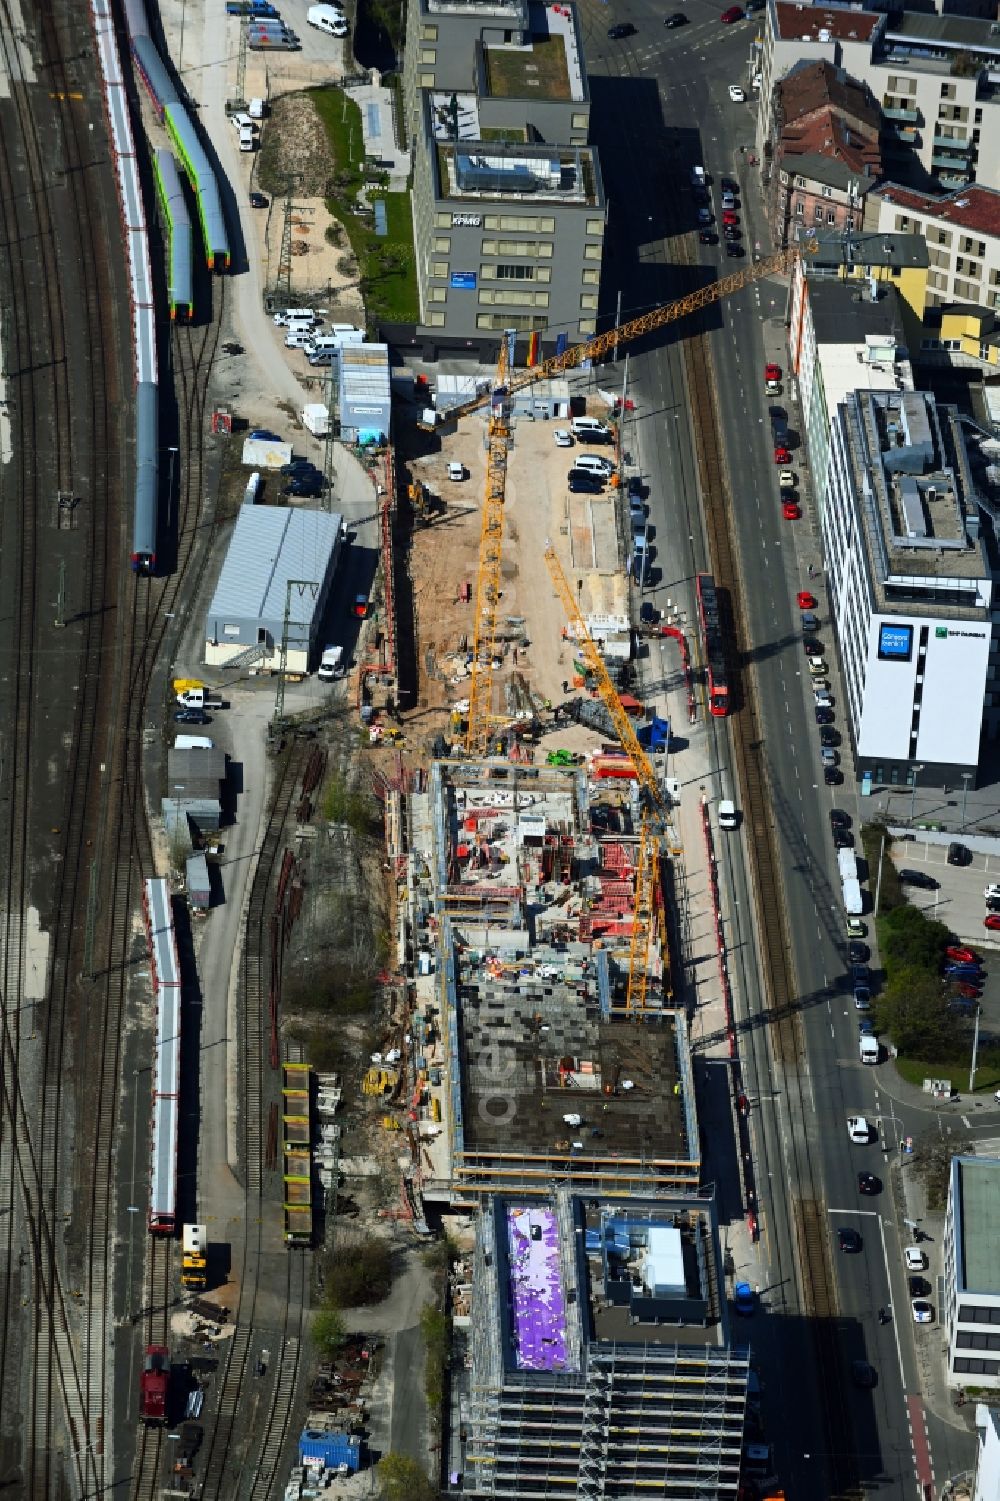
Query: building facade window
[435, 320]
[579, 122]
[438, 268]
[831, 216]
[513, 273]
[428, 33]
[442, 244]
[588, 302]
[592, 252]
[800, 208]
[428, 55]
[595, 227]
[426, 80]
[818, 213]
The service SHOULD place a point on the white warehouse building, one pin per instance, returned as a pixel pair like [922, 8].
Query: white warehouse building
[280, 564]
[909, 589]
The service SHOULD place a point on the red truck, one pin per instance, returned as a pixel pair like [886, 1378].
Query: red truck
[153, 1384]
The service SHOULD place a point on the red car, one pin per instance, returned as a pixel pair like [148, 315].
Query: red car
[791, 512]
[730, 216]
[734, 13]
[992, 920]
[782, 456]
[961, 956]
[968, 992]
[772, 372]
[806, 601]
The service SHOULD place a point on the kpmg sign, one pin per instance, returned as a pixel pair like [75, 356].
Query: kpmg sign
[466, 221]
[463, 281]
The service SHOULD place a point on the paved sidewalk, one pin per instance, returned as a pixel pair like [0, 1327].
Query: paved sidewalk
[378, 124]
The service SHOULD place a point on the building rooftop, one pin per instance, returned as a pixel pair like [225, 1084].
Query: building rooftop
[813, 166]
[271, 547]
[513, 13]
[492, 170]
[975, 1189]
[811, 86]
[942, 36]
[824, 23]
[364, 374]
[917, 502]
[857, 250]
[573, 1272]
[974, 208]
[549, 66]
[843, 313]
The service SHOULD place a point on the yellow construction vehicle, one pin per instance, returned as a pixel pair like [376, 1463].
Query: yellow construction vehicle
[379, 1081]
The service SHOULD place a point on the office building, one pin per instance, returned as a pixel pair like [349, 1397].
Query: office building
[931, 75]
[600, 1362]
[909, 589]
[508, 200]
[971, 1309]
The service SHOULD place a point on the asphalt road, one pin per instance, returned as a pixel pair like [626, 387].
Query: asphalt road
[661, 104]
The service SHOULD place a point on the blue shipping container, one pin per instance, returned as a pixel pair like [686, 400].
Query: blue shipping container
[331, 1448]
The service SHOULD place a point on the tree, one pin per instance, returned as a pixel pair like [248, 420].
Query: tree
[932, 1154]
[403, 1479]
[329, 1330]
[359, 1271]
[908, 938]
[912, 1010]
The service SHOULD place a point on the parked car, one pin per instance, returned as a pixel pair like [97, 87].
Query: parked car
[706, 237]
[863, 1374]
[918, 878]
[265, 435]
[817, 667]
[923, 1313]
[790, 510]
[992, 892]
[858, 953]
[832, 776]
[772, 372]
[829, 737]
[862, 998]
[781, 455]
[258, 200]
[992, 921]
[960, 955]
[959, 854]
[822, 699]
[732, 248]
[828, 757]
[805, 600]
[823, 716]
[733, 14]
[839, 819]
[856, 928]
[563, 437]
[918, 1287]
[191, 716]
[914, 1258]
[736, 94]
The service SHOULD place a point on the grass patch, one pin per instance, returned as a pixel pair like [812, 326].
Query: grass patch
[387, 264]
[435, 1326]
[540, 73]
[914, 1071]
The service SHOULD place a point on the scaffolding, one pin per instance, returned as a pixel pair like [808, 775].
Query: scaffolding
[620, 1416]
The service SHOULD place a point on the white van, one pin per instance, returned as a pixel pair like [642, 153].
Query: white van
[589, 427]
[331, 342]
[727, 813]
[285, 317]
[298, 338]
[193, 742]
[241, 121]
[327, 18]
[594, 464]
[248, 140]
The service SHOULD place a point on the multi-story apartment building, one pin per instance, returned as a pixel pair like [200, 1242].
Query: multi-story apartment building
[970, 1310]
[600, 1355]
[506, 188]
[910, 589]
[962, 234]
[931, 75]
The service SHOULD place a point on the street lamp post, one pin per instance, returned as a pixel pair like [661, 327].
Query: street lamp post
[913, 794]
[170, 480]
[966, 779]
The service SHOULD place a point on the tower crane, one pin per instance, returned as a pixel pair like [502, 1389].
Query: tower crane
[506, 382]
[654, 809]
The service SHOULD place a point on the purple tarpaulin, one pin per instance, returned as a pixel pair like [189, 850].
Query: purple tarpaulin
[536, 1291]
